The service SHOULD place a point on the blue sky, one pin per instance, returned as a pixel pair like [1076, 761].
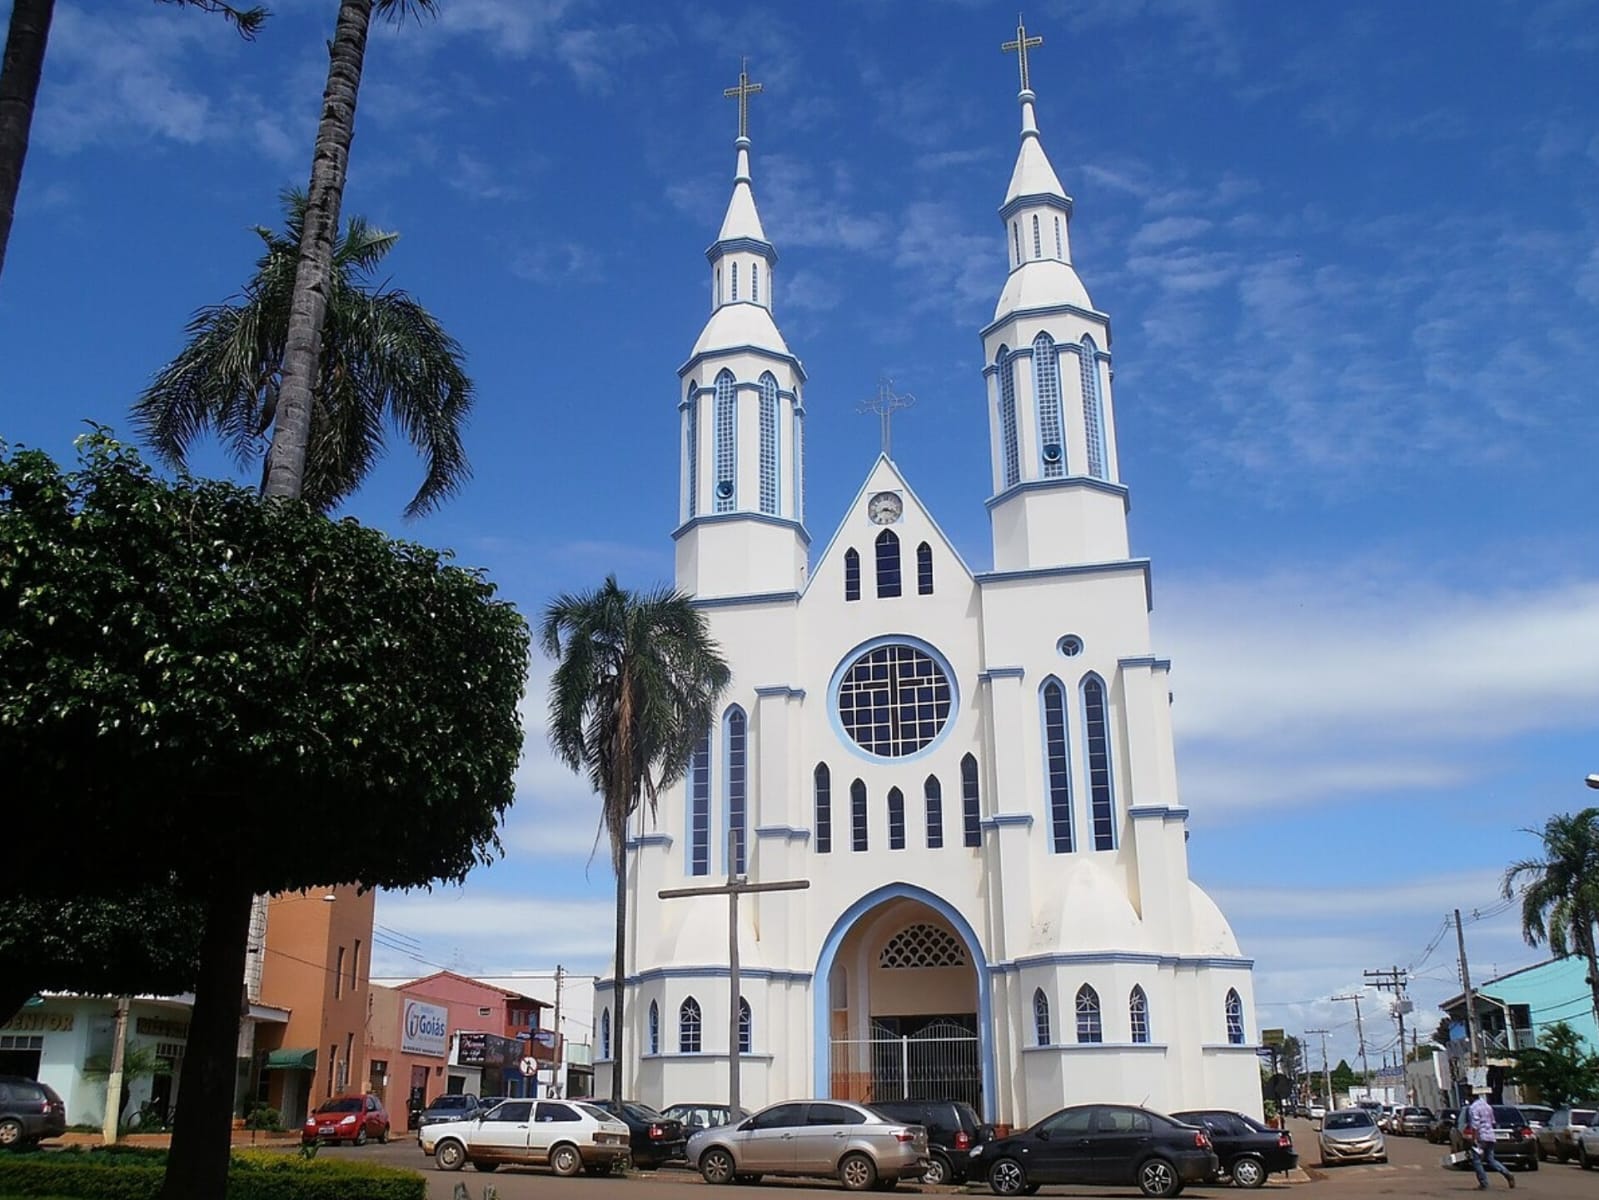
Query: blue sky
[1351, 256]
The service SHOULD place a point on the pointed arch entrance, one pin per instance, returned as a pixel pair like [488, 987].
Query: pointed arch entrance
[902, 1004]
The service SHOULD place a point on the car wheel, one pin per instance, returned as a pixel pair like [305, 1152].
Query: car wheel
[716, 1166]
[1532, 1164]
[360, 1138]
[1006, 1178]
[1157, 1177]
[1583, 1160]
[383, 1136]
[938, 1170]
[10, 1133]
[857, 1173]
[450, 1156]
[1249, 1173]
[565, 1161]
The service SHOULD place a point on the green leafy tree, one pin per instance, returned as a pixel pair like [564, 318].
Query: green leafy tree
[1560, 1067]
[1560, 891]
[1343, 1077]
[634, 690]
[139, 1061]
[385, 362]
[181, 662]
[27, 37]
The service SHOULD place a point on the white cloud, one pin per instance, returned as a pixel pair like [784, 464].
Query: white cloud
[1169, 229]
[486, 932]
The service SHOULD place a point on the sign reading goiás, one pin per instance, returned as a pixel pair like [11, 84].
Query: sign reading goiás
[424, 1028]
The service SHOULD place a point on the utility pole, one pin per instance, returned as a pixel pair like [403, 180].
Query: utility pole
[113, 1083]
[1326, 1073]
[558, 1080]
[1475, 1042]
[1394, 980]
[1360, 1032]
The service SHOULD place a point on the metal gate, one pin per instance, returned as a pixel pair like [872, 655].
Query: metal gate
[940, 1061]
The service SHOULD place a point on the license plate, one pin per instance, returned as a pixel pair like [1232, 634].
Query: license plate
[325, 1129]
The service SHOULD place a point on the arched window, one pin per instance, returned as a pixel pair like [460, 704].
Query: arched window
[692, 437]
[735, 743]
[924, 570]
[726, 442]
[896, 819]
[688, 1027]
[934, 792]
[1046, 390]
[1138, 1015]
[1235, 1019]
[699, 809]
[655, 1028]
[605, 1033]
[768, 443]
[735, 281]
[1057, 765]
[852, 574]
[1096, 730]
[1038, 245]
[824, 809]
[1016, 242]
[887, 565]
[799, 461]
[1093, 410]
[745, 1041]
[1088, 1026]
[718, 287]
[1060, 243]
[755, 282]
[857, 815]
[971, 803]
[1007, 418]
[1041, 1016]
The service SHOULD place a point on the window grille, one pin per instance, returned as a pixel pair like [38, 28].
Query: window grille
[688, 1027]
[737, 785]
[693, 449]
[1057, 766]
[735, 281]
[1096, 727]
[1038, 245]
[922, 945]
[1041, 1016]
[1138, 1015]
[1093, 410]
[1060, 244]
[699, 809]
[1046, 390]
[934, 793]
[1016, 242]
[824, 809]
[605, 1033]
[1088, 1024]
[894, 700]
[745, 1040]
[896, 819]
[971, 805]
[726, 442]
[857, 815]
[755, 282]
[924, 570]
[1007, 418]
[768, 443]
[852, 574]
[655, 1028]
[799, 462]
[888, 583]
[1235, 1019]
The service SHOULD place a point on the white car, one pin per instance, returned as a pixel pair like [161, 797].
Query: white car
[567, 1135]
[1588, 1146]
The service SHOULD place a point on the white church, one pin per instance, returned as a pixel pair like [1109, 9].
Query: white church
[973, 769]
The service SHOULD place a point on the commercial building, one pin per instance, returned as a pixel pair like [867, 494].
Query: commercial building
[1513, 1012]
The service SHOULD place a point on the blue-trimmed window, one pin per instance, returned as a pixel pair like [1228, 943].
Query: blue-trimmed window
[924, 570]
[1096, 729]
[799, 461]
[768, 443]
[746, 1041]
[688, 1027]
[824, 809]
[1007, 418]
[894, 700]
[726, 442]
[1046, 390]
[718, 287]
[888, 583]
[1057, 765]
[1060, 245]
[693, 439]
[1093, 410]
[1038, 242]
[1016, 242]
[971, 803]
[605, 1033]
[699, 809]
[1138, 1015]
[755, 282]
[735, 280]
[655, 1028]
[896, 819]
[852, 574]
[1235, 1019]
[1089, 1028]
[934, 792]
[1040, 1017]
[734, 729]
[857, 815]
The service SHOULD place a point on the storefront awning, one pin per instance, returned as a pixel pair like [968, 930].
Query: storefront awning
[290, 1060]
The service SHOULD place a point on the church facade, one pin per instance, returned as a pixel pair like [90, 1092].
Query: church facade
[973, 769]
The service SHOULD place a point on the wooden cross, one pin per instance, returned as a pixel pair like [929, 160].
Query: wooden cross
[885, 404]
[742, 93]
[1021, 45]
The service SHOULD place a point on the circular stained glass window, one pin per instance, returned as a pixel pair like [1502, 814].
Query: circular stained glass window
[894, 700]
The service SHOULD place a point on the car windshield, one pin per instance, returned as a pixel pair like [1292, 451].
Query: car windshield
[1357, 1118]
[450, 1102]
[1505, 1116]
[343, 1104]
[599, 1114]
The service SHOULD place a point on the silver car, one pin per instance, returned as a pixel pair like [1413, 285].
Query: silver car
[1351, 1135]
[835, 1138]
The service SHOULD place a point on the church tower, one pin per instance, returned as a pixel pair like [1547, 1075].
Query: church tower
[741, 528]
[1058, 500]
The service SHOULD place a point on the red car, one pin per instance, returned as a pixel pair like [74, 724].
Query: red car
[351, 1119]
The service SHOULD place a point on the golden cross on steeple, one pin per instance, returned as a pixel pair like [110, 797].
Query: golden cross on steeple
[1021, 45]
[743, 92]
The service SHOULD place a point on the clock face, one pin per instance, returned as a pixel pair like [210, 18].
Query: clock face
[884, 508]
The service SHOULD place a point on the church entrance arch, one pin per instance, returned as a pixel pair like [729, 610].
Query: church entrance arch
[902, 1003]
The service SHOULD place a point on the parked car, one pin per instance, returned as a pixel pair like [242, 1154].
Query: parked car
[1413, 1121]
[1558, 1138]
[29, 1112]
[1536, 1115]
[568, 1136]
[352, 1119]
[1442, 1124]
[1351, 1135]
[655, 1137]
[1588, 1146]
[1317, 1110]
[1099, 1144]
[703, 1116]
[449, 1107]
[1514, 1143]
[1247, 1151]
[849, 1142]
[953, 1128]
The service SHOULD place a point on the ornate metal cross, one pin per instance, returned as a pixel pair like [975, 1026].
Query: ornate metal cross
[1021, 45]
[885, 404]
[742, 93]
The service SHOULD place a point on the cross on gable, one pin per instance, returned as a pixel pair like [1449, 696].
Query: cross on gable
[742, 93]
[885, 404]
[1021, 46]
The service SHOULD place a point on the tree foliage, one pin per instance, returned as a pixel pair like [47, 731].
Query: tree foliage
[1560, 891]
[1560, 1067]
[1344, 1076]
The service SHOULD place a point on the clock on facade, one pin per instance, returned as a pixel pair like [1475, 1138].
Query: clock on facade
[884, 508]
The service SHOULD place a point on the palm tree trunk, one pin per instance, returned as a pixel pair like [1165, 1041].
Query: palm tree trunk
[19, 85]
[291, 434]
[619, 966]
[1586, 944]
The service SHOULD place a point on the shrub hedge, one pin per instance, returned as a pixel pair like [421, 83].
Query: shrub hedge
[256, 1175]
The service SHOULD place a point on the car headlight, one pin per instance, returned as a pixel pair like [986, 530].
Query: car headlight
[349, 1120]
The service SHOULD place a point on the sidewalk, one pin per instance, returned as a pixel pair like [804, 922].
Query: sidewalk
[161, 1141]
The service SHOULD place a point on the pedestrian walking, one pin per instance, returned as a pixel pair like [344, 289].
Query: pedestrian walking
[1480, 1132]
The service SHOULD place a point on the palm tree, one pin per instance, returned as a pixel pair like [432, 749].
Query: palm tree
[385, 360]
[294, 428]
[1560, 898]
[26, 39]
[634, 690]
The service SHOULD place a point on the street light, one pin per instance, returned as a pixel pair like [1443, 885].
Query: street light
[1592, 780]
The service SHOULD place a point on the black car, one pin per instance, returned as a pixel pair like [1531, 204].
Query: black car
[1100, 1144]
[1246, 1149]
[1514, 1142]
[657, 1139]
[450, 1107]
[953, 1128]
[29, 1111]
[1442, 1125]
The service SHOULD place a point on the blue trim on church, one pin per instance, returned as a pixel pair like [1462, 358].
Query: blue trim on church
[1061, 483]
[743, 515]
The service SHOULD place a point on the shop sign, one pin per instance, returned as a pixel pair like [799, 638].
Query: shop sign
[424, 1028]
[33, 1021]
[160, 1027]
[486, 1050]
